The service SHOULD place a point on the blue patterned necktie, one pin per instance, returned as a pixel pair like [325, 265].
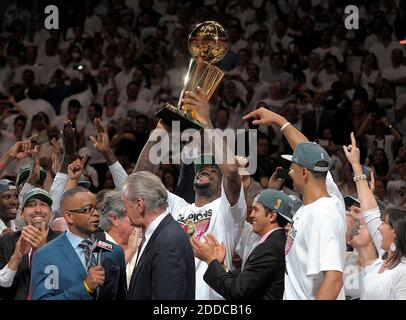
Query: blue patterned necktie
[90, 259]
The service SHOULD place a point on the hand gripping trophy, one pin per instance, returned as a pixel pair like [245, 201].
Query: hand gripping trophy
[208, 44]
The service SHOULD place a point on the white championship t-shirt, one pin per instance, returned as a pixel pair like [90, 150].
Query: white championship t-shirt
[217, 218]
[316, 243]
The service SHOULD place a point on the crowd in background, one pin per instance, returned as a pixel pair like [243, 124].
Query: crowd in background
[119, 60]
[294, 57]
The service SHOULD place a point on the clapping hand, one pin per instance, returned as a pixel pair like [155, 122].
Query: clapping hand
[22, 248]
[209, 250]
[35, 237]
[6, 231]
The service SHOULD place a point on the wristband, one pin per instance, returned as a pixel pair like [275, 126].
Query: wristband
[87, 288]
[2, 165]
[359, 178]
[284, 126]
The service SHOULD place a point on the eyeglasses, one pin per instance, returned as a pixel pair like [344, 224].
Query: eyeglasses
[84, 210]
[8, 197]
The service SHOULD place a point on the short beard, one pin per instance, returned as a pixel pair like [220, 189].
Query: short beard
[205, 190]
[4, 215]
[38, 225]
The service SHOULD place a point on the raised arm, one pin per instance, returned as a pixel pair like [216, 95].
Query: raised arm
[19, 150]
[225, 158]
[75, 170]
[144, 163]
[263, 116]
[61, 178]
[369, 206]
[102, 144]
[34, 176]
[366, 197]
[395, 133]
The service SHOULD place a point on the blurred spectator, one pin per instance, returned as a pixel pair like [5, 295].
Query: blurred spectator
[111, 109]
[233, 102]
[74, 107]
[395, 74]
[384, 46]
[265, 165]
[369, 74]
[134, 102]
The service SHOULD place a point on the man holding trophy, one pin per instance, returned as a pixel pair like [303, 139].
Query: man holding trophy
[219, 207]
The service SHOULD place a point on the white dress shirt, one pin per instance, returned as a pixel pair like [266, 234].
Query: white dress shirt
[6, 277]
[150, 230]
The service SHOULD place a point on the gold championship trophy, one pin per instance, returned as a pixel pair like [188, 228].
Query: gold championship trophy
[208, 43]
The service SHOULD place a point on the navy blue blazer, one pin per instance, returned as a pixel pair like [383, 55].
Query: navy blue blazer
[58, 274]
[166, 268]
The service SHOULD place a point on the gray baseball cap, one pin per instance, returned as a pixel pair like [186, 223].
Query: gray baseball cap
[6, 185]
[84, 182]
[309, 155]
[278, 201]
[25, 171]
[36, 193]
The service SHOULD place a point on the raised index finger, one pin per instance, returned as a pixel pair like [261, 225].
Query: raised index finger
[353, 142]
[35, 135]
[249, 115]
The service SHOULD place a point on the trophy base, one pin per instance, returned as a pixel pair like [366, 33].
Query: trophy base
[169, 113]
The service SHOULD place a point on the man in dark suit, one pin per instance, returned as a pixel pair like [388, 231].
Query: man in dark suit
[36, 212]
[66, 268]
[165, 267]
[263, 273]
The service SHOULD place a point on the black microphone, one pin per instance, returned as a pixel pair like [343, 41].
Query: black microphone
[99, 247]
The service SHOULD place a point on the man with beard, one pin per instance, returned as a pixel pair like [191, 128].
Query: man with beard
[8, 206]
[219, 207]
[37, 214]
[66, 268]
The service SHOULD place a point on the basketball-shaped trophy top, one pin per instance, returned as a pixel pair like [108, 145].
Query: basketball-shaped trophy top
[208, 42]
